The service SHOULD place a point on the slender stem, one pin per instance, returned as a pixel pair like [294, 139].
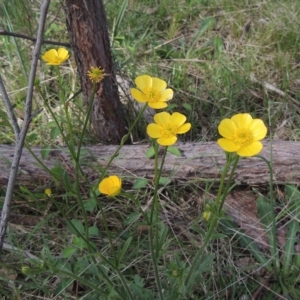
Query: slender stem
[154, 211]
[225, 193]
[221, 196]
[274, 249]
[58, 205]
[91, 102]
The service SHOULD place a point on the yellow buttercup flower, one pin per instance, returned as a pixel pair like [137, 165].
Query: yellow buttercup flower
[110, 186]
[152, 90]
[242, 134]
[56, 57]
[167, 127]
[48, 192]
[96, 74]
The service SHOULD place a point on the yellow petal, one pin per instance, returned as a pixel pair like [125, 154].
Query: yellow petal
[116, 180]
[184, 128]
[162, 118]
[138, 95]
[157, 105]
[63, 53]
[228, 145]
[50, 56]
[167, 95]
[154, 130]
[163, 141]
[227, 128]
[251, 150]
[143, 82]
[158, 84]
[104, 186]
[258, 129]
[177, 119]
[242, 120]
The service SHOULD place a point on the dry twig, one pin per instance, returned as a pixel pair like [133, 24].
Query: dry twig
[20, 139]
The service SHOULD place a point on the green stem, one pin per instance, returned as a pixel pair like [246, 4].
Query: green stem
[227, 187]
[274, 249]
[154, 211]
[91, 102]
[221, 196]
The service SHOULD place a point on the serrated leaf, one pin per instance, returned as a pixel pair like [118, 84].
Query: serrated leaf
[175, 151]
[68, 252]
[150, 152]
[140, 183]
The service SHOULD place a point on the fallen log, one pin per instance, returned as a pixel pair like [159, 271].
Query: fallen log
[199, 161]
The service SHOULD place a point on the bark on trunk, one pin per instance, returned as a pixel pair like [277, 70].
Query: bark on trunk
[86, 23]
[199, 161]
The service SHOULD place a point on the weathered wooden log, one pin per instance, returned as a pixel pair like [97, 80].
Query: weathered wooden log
[199, 161]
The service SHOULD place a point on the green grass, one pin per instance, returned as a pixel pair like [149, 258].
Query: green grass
[91, 247]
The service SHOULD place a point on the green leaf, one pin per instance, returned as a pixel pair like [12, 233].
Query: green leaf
[231, 227]
[175, 151]
[140, 183]
[150, 152]
[45, 151]
[68, 252]
[90, 204]
[132, 218]
[164, 180]
[77, 224]
[54, 133]
[187, 106]
[293, 229]
[93, 231]
[123, 251]
[170, 107]
[57, 172]
[31, 137]
[79, 242]
[266, 215]
[218, 46]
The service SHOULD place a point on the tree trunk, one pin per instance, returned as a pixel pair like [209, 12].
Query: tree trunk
[86, 23]
[199, 161]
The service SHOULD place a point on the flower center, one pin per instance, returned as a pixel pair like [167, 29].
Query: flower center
[243, 137]
[152, 94]
[168, 130]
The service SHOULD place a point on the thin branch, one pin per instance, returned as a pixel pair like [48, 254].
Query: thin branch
[27, 37]
[9, 109]
[27, 119]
